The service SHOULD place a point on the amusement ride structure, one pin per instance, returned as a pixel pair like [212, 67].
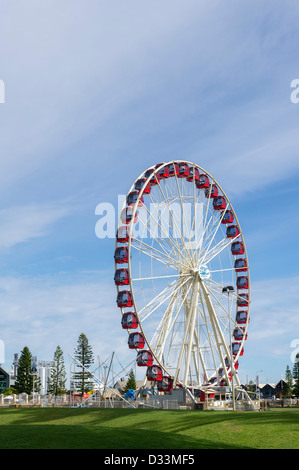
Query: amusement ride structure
[182, 278]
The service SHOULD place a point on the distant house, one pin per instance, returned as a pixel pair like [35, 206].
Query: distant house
[267, 390]
[272, 390]
[4, 380]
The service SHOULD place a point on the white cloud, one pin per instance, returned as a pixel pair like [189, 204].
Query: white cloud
[45, 312]
[21, 224]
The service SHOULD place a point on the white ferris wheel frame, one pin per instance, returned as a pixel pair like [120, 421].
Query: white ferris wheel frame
[202, 292]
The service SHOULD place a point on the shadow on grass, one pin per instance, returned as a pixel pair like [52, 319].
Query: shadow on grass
[54, 428]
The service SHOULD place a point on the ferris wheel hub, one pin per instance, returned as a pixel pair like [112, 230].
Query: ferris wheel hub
[204, 272]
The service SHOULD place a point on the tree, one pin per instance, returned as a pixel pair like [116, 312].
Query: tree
[296, 376]
[26, 381]
[131, 383]
[84, 355]
[288, 383]
[56, 382]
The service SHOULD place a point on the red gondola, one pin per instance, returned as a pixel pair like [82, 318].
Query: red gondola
[124, 299]
[132, 198]
[237, 248]
[228, 217]
[139, 186]
[241, 317]
[211, 192]
[129, 321]
[219, 203]
[173, 169]
[148, 173]
[154, 373]
[243, 300]
[165, 385]
[236, 349]
[183, 170]
[121, 255]
[121, 277]
[136, 340]
[163, 173]
[203, 182]
[242, 282]
[193, 174]
[232, 231]
[239, 334]
[127, 215]
[122, 234]
[144, 358]
[240, 265]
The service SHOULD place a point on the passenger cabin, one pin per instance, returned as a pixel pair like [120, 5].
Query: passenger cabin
[148, 173]
[228, 217]
[232, 231]
[241, 317]
[129, 321]
[124, 299]
[144, 358]
[237, 248]
[127, 215]
[154, 373]
[243, 300]
[165, 385]
[163, 172]
[132, 198]
[242, 282]
[236, 349]
[240, 265]
[155, 179]
[173, 169]
[193, 174]
[121, 277]
[139, 186]
[239, 334]
[183, 170]
[122, 234]
[136, 341]
[212, 191]
[203, 182]
[219, 203]
[121, 255]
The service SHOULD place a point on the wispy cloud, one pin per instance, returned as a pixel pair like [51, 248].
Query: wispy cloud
[21, 224]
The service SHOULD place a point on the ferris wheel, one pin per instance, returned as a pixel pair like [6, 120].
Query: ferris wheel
[182, 277]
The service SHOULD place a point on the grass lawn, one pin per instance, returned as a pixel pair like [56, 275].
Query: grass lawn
[79, 428]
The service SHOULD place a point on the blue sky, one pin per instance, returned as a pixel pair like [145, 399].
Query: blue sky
[98, 91]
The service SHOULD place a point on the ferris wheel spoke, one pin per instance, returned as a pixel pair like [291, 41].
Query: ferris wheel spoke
[183, 217]
[167, 239]
[174, 222]
[173, 325]
[219, 333]
[167, 324]
[154, 253]
[216, 250]
[159, 299]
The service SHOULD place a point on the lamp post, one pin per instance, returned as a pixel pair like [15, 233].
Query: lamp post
[228, 290]
[257, 387]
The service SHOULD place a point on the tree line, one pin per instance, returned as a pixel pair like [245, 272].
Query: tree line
[28, 382]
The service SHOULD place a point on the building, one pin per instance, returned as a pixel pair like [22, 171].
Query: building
[4, 380]
[42, 369]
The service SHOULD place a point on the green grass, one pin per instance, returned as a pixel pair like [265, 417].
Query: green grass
[64, 428]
